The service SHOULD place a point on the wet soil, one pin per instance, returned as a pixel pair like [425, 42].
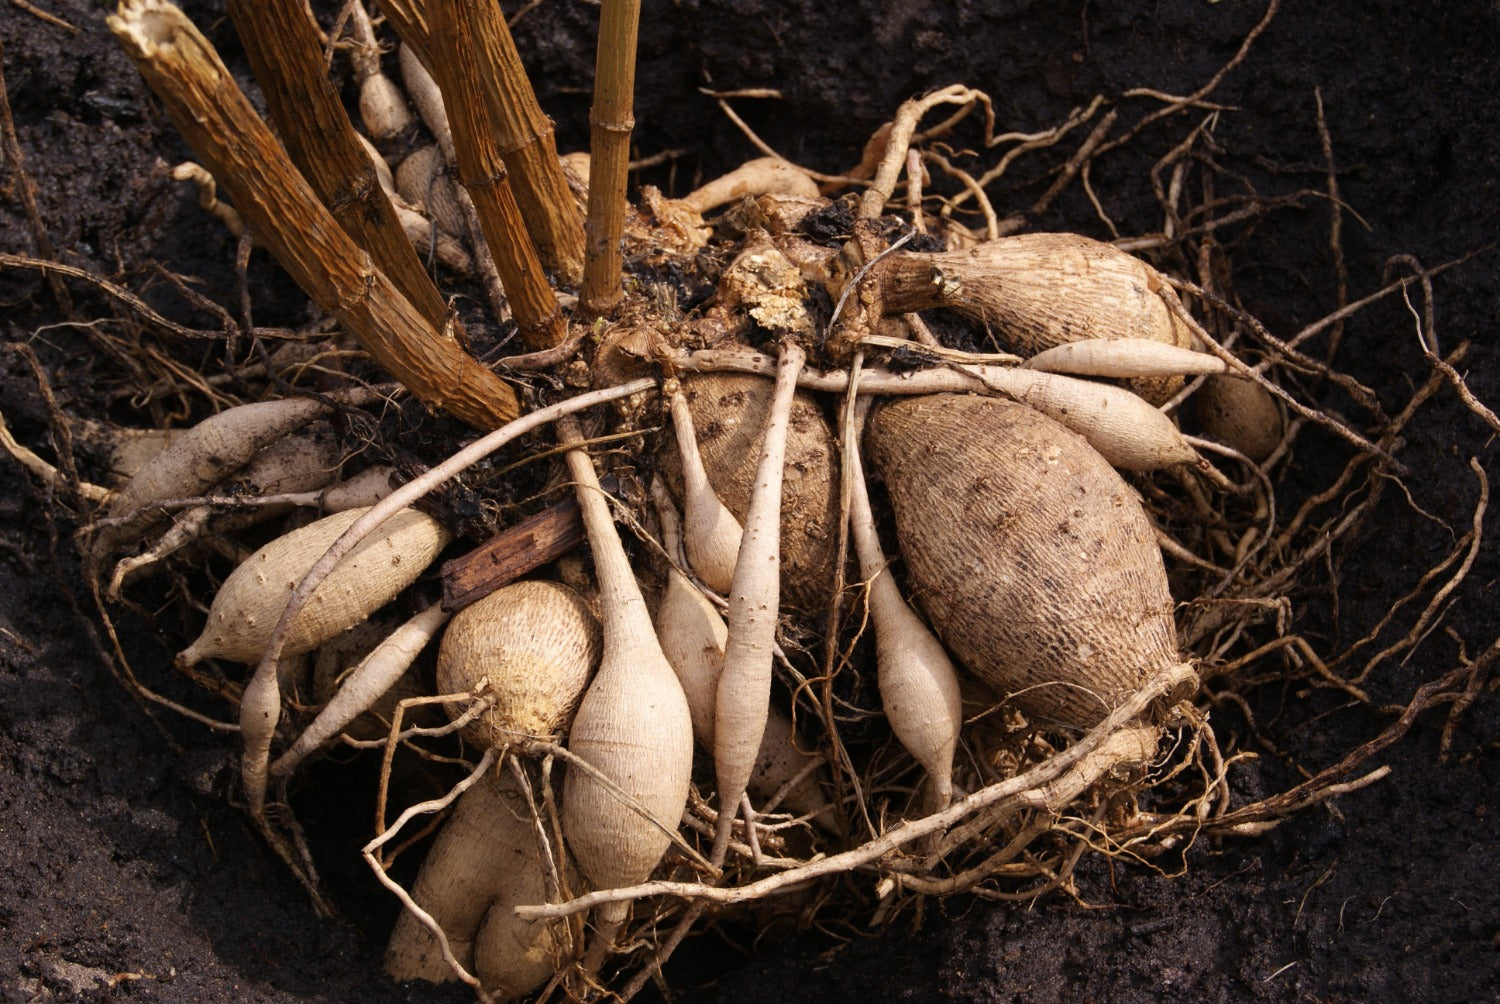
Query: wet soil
[126, 873]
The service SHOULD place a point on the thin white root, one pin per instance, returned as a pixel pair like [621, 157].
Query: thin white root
[45, 472]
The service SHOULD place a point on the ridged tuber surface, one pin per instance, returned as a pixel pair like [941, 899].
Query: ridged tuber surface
[1040, 290]
[536, 643]
[1033, 559]
[728, 411]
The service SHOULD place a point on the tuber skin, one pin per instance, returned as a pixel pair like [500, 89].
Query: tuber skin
[249, 603]
[198, 459]
[360, 491]
[1241, 414]
[761, 176]
[529, 648]
[1040, 290]
[427, 98]
[1121, 427]
[377, 676]
[484, 861]
[292, 465]
[710, 534]
[513, 957]
[1123, 357]
[422, 179]
[692, 635]
[633, 725]
[690, 630]
[1032, 558]
[727, 411]
[918, 684]
[123, 451]
[743, 699]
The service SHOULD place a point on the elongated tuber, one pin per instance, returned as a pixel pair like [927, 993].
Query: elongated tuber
[250, 601]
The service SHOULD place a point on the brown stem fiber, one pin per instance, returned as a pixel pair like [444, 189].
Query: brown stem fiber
[527, 141]
[512, 553]
[281, 40]
[285, 213]
[611, 119]
[409, 19]
[482, 171]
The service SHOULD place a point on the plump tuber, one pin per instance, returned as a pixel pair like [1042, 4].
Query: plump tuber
[528, 647]
[918, 685]
[633, 726]
[1033, 559]
[1242, 414]
[484, 861]
[251, 600]
[197, 459]
[1040, 290]
[727, 412]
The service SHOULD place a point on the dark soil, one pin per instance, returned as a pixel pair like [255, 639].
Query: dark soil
[127, 873]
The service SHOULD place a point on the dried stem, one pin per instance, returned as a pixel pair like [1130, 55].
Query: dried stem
[281, 40]
[409, 20]
[610, 121]
[220, 125]
[482, 171]
[527, 141]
